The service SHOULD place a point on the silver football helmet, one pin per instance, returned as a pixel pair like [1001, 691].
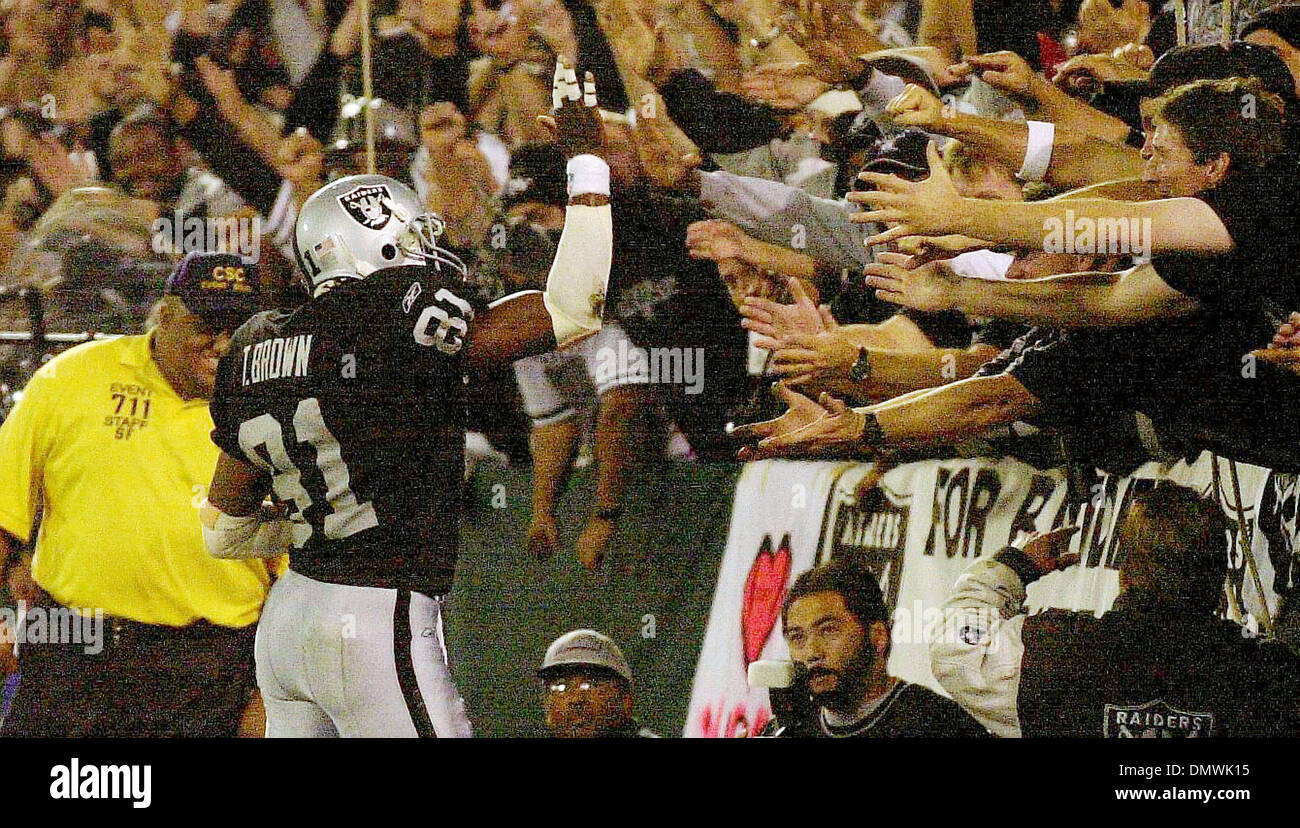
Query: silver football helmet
[356, 225]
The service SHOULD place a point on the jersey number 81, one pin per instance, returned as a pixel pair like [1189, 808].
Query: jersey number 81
[347, 515]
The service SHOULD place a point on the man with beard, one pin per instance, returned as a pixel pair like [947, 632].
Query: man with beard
[838, 628]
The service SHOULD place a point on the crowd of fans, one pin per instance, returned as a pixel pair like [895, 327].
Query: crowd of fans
[1053, 228]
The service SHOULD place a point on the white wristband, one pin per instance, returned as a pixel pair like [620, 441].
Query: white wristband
[1038, 150]
[982, 264]
[588, 174]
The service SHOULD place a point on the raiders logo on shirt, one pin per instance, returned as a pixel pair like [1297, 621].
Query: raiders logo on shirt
[368, 205]
[1156, 720]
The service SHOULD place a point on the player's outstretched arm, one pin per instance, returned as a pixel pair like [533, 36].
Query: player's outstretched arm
[571, 306]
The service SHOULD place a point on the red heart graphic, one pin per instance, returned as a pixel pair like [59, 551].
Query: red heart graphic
[764, 589]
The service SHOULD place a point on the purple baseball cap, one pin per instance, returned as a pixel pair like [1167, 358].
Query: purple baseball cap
[220, 288]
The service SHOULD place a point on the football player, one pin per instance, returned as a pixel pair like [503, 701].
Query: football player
[348, 411]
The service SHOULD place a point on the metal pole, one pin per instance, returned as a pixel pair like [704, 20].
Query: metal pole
[1218, 494]
[1247, 551]
[367, 89]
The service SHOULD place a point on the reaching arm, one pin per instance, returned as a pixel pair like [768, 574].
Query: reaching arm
[773, 212]
[933, 207]
[575, 288]
[948, 25]
[1080, 299]
[1123, 189]
[1067, 111]
[954, 412]
[1072, 300]
[218, 141]
[511, 328]
[1077, 157]
[1011, 73]
[898, 372]
[976, 653]
[947, 414]
[979, 648]
[571, 306]
[1176, 224]
[825, 361]
[718, 240]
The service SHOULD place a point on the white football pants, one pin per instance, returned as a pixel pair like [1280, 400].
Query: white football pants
[337, 660]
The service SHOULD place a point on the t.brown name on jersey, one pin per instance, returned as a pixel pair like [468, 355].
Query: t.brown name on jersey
[277, 358]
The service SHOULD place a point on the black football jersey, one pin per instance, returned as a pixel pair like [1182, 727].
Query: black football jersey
[354, 403]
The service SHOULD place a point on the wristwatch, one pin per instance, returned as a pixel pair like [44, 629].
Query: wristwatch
[861, 368]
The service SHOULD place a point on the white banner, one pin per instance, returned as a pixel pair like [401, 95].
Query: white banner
[922, 524]
[776, 523]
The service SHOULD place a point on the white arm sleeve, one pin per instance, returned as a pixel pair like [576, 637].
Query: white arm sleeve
[976, 654]
[230, 537]
[575, 288]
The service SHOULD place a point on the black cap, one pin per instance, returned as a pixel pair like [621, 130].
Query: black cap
[537, 173]
[1210, 61]
[902, 155]
[853, 132]
[220, 288]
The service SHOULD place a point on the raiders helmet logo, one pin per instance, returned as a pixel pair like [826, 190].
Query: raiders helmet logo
[367, 204]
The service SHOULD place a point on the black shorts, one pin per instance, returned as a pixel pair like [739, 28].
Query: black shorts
[138, 681]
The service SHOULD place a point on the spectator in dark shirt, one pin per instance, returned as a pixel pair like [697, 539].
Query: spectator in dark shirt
[838, 628]
[1221, 245]
[1278, 29]
[1159, 664]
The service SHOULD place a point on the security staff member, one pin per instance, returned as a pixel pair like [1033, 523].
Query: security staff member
[110, 446]
[1159, 664]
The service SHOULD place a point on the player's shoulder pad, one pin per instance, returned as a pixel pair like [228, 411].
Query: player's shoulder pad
[259, 326]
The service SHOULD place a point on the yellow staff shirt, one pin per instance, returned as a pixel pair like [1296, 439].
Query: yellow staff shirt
[117, 464]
